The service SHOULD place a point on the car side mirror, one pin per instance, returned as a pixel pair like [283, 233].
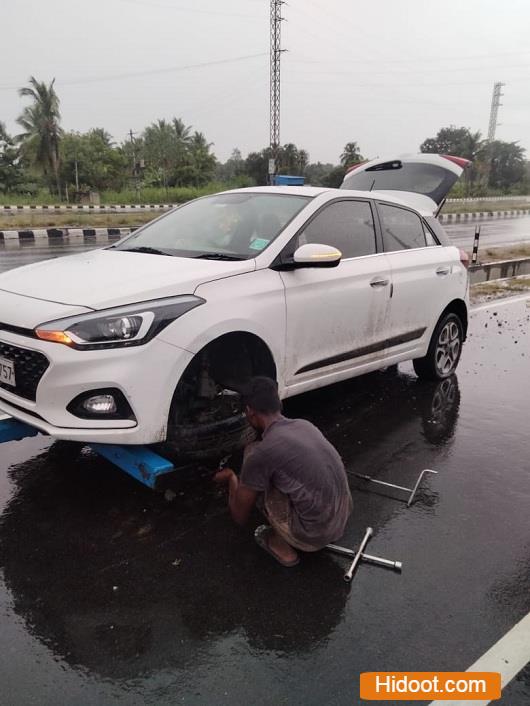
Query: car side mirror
[316, 255]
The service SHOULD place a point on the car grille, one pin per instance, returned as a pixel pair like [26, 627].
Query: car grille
[30, 366]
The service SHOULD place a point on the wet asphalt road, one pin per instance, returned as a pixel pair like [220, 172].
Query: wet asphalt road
[494, 232]
[110, 594]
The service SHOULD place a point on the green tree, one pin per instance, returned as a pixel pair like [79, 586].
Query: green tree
[233, 168]
[291, 160]
[161, 150]
[42, 132]
[11, 165]
[460, 142]
[257, 166]
[99, 163]
[317, 172]
[456, 141]
[333, 180]
[506, 164]
[202, 160]
[351, 154]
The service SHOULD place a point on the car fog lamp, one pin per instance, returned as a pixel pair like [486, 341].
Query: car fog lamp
[100, 404]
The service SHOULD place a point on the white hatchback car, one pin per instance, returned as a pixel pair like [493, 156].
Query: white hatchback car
[150, 340]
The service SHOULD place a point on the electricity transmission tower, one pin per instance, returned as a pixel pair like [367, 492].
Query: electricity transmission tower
[495, 103]
[275, 54]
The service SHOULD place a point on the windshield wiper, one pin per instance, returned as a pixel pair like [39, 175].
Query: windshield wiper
[146, 249]
[217, 256]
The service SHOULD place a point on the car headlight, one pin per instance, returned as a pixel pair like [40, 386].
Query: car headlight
[122, 326]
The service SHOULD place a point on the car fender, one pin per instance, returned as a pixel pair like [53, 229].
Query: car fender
[252, 303]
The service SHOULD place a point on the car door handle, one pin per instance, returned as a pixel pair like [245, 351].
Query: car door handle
[443, 271]
[379, 282]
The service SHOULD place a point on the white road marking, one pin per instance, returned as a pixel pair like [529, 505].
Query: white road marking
[495, 303]
[508, 656]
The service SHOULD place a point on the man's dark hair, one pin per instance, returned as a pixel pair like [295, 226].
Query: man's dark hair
[261, 395]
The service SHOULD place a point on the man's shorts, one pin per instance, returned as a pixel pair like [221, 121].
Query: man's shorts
[278, 510]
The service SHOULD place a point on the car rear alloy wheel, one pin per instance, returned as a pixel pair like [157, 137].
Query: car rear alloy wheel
[444, 351]
[448, 348]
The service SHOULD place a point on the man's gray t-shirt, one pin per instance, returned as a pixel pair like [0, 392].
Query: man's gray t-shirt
[295, 458]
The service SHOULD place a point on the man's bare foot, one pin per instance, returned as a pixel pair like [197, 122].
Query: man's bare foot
[280, 547]
[277, 547]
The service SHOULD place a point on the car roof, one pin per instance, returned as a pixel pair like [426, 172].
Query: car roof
[313, 191]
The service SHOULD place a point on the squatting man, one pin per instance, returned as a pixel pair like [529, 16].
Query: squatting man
[294, 476]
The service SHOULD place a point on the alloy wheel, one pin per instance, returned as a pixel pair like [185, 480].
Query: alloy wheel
[448, 348]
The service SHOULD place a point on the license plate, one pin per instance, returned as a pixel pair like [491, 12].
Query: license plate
[7, 371]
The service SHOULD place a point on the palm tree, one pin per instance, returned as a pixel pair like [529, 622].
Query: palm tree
[350, 154]
[161, 148]
[182, 131]
[42, 131]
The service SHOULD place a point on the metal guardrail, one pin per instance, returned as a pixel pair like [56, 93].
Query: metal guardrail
[499, 270]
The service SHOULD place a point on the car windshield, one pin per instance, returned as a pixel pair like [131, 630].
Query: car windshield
[222, 227]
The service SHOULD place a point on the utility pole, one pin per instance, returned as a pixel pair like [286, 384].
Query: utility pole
[495, 103]
[275, 55]
[134, 169]
[76, 175]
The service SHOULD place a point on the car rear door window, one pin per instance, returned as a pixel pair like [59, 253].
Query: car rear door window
[402, 229]
[346, 225]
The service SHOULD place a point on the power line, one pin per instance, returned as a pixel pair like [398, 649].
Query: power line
[193, 11]
[148, 72]
[416, 60]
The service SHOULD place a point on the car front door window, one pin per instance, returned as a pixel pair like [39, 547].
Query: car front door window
[345, 225]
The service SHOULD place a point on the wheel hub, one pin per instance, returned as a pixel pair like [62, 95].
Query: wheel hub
[448, 348]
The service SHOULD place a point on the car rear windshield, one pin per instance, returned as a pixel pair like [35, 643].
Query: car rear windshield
[418, 177]
[225, 226]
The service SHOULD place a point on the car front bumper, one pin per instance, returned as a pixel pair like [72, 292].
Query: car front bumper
[147, 376]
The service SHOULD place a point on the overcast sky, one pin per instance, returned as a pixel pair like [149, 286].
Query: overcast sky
[386, 74]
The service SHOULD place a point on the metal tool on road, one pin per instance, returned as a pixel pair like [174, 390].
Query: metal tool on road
[411, 491]
[360, 555]
[368, 558]
[349, 574]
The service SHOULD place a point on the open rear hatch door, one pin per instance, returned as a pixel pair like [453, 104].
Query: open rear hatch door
[422, 181]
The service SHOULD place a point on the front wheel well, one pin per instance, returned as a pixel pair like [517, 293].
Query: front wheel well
[458, 307]
[237, 356]
[211, 386]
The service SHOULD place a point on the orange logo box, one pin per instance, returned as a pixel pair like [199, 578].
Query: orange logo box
[422, 686]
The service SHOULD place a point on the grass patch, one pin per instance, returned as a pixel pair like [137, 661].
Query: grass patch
[74, 220]
[493, 205]
[497, 289]
[146, 195]
[504, 253]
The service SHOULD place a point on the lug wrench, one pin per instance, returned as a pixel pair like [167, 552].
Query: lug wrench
[368, 558]
[349, 574]
[359, 555]
[410, 491]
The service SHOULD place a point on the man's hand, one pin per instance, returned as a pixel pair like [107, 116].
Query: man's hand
[223, 476]
[240, 499]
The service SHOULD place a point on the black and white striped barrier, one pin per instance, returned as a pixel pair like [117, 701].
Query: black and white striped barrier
[42, 234]
[478, 199]
[459, 217]
[92, 208]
